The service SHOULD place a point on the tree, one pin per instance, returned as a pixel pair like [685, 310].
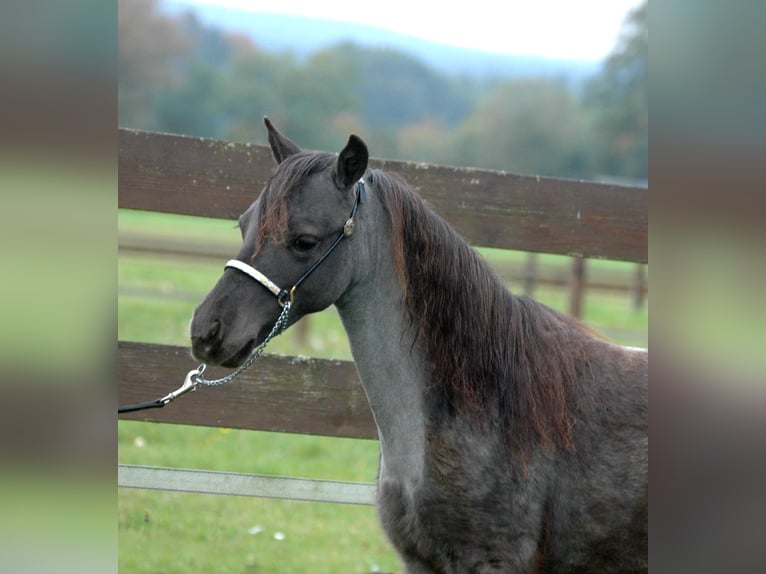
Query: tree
[316, 92]
[395, 89]
[190, 107]
[426, 140]
[250, 88]
[617, 98]
[526, 126]
[149, 46]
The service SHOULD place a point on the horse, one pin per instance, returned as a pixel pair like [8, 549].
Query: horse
[512, 437]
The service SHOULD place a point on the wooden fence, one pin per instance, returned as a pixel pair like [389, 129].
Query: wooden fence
[211, 178]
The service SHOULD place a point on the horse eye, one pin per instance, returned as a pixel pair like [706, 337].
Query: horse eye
[305, 243]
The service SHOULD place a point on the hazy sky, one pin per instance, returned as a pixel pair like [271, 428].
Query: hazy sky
[573, 29]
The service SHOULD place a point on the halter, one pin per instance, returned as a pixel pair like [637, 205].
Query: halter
[284, 295]
[285, 300]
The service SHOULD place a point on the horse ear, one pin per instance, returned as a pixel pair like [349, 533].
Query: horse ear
[351, 163]
[281, 146]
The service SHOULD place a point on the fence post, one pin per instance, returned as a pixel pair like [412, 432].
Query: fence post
[301, 329]
[639, 285]
[530, 274]
[578, 283]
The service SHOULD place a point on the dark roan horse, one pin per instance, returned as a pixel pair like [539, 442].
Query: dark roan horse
[512, 438]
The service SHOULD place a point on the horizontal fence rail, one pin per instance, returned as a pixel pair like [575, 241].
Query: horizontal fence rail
[212, 178]
[239, 484]
[279, 393]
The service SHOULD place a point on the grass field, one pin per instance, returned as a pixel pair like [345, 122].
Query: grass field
[163, 532]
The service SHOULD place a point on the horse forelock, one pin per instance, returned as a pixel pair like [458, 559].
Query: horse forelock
[274, 211]
[492, 355]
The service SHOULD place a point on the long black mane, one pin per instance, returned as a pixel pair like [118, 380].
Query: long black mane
[492, 354]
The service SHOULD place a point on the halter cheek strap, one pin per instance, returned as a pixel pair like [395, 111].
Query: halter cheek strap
[283, 295]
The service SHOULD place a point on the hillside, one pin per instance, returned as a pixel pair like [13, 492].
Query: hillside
[303, 36]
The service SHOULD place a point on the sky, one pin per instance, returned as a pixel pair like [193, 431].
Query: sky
[569, 29]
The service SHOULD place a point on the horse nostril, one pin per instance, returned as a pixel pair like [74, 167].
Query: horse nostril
[215, 328]
[206, 339]
[202, 334]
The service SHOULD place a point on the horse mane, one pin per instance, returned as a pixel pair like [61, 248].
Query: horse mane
[294, 170]
[492, 354]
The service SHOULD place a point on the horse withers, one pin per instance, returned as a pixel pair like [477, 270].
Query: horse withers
[512, 438]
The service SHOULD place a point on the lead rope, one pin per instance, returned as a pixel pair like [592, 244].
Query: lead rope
[194, 377]
[277, 329]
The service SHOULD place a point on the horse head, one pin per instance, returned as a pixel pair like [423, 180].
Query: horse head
[292, 244]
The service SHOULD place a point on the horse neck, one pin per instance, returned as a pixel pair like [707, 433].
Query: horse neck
[391, 369]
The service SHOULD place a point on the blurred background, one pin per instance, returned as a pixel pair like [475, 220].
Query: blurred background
[570, 102]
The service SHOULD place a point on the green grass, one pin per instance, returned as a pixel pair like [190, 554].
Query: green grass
[161, 532]
[177, 532]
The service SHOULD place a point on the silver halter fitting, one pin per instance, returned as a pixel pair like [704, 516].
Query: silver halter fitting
[284, 295]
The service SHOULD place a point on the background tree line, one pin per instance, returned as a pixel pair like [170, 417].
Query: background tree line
[178, 75]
